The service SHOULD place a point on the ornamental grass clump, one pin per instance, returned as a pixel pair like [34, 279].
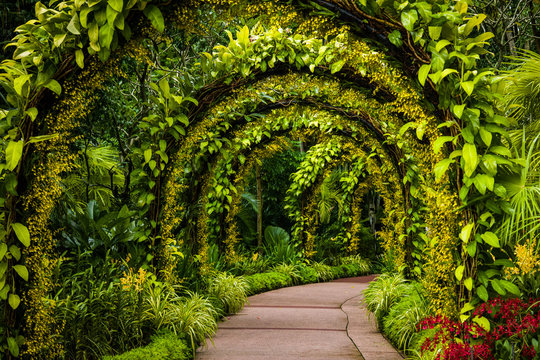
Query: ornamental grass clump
[324, 272]
[384, 292]
[292, 270]
[230, 290]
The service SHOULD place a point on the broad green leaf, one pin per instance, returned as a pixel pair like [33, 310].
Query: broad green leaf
[22, 271]
[474, 21]
[13, 347]
[3, 250]
[471, 248]
[466, 308]
[395, 38]
[496, 285]
[22, 233]
[458, 110]
[484, 182]
[491, 239]
[32, 113]
[19, 83]
[441, 167]
[471, 158]
[486, 136]
[147, 155]
[468, 283]
[482, 293]
[116, 4]
[54, 86]
[513, 288]
[459, 272]
[14, 152]
[440, 141]
[106, 34]
[14, 300]
[465, 233]
[423, 73]
[468, 86]
[15, 252]
[409, 18]
[501, 150]
[155, 16]
[79, 58]
[93, 32]
[335, 67]
[74, 25]
[435, 32]
[441, 45]
[111, 16]
[482, 322]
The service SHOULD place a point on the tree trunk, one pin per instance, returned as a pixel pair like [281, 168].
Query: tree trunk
[259, 207]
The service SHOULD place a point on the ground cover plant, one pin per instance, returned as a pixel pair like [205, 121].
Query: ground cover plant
[152, 149]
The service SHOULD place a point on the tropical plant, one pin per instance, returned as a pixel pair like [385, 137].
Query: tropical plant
[277, 246]
[331, 196]
[400, 325]
[163, 346]
[292, 270]
[383, 293]
[324, 272]
[230, 290]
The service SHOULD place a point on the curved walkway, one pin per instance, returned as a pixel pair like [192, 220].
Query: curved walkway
[323, 321]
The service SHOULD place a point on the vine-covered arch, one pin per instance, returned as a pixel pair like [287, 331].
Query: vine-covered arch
[432, 117]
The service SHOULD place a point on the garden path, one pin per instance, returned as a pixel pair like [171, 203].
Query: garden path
[323, 321]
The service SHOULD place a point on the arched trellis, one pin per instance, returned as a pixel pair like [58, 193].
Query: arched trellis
[461, 92]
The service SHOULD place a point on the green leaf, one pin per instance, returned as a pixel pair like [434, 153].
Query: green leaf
[14, 152]
[423, 73]
[440, 141]
[19, 82]
[74, 24]
[471, 158]
[459, 272]
[496, 285]
[435, 32]
[468, 283]
[147, 155]
[441, 45]
[15, 252]
[335, 67]
[468, 86]
[458, 110]
[106, 34]
[466, 308]
[409, 18]
[13, 347]
[14, 300]
[395, 38]
[32, 113]
[513, 288]
[471, 248]
[3, 250]
[79, 58]
[116, 4]
[22, 271]
[22, 233]
[441, 167]
[156, 18]
[482, 293]
[486, 136]
[465, 233]
[482, 322]
[54, 86]
[483, 182]
[491, 239]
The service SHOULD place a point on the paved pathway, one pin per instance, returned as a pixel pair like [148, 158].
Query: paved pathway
[323, 321]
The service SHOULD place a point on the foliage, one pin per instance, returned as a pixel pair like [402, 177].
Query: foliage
[162, 346]
[400, 325]
[497, 329]
[278, 247]
[230, 290]
[324, 272]
[383, 293]
[267, 281]
[291, 270]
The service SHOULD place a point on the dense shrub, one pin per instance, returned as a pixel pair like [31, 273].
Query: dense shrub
[383, 293]
[267, 281]
[230, 290]
[166, 346]
[324, 272]
[308, 274]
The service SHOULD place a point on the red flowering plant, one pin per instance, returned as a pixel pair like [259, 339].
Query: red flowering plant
[498, 329]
